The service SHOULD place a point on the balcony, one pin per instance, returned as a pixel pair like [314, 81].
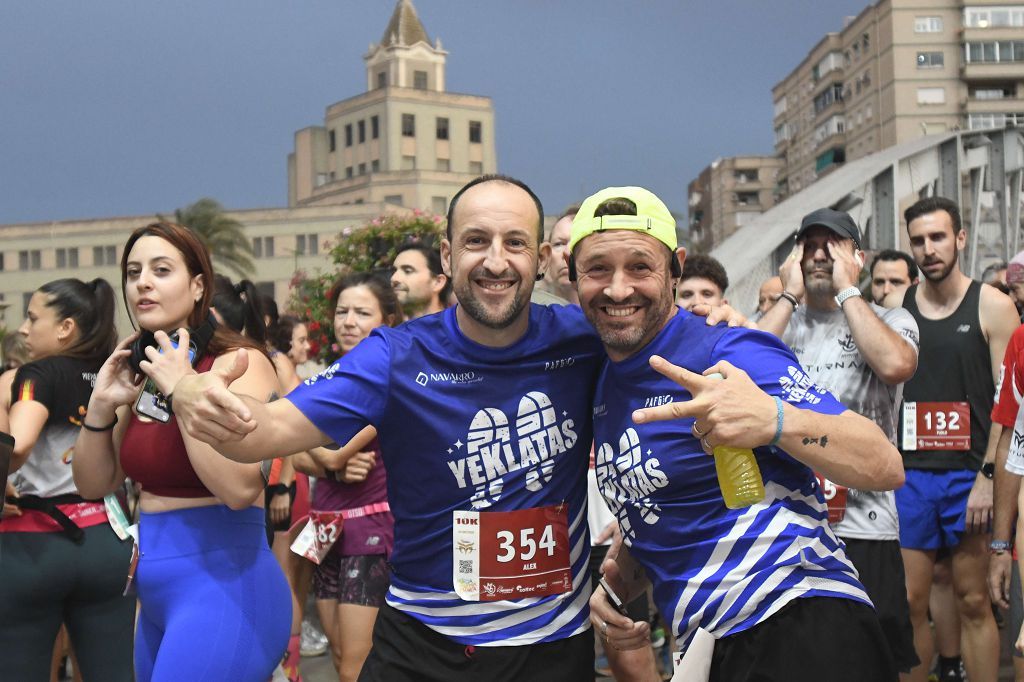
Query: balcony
[975, 71]
[994, 106]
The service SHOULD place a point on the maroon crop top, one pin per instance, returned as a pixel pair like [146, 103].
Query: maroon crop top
[153, 455]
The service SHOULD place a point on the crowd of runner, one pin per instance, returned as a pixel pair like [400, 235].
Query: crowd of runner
[495, 408]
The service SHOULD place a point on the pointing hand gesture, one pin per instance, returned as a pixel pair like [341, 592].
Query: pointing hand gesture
[732, 411]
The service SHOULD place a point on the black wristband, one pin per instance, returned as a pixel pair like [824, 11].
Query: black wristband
[790, 298]
[278, 489]
[100, 429]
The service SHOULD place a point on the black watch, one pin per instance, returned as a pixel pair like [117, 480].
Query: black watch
[988, 470]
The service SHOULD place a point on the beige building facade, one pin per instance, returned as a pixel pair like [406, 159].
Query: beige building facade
[899, 70]
[726, 195]
[406, 141]
[284, 240]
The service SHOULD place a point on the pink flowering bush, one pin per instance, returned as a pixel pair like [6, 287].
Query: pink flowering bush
[368, 248]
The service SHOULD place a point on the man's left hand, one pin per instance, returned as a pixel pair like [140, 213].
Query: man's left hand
[845, 267]
[732, 411]
[720, 313]
[979, 506]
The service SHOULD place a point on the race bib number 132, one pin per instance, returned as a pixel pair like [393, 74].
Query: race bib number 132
[511, 555]
[936, 426]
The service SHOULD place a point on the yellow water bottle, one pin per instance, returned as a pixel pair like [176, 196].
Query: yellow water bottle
[739, 477]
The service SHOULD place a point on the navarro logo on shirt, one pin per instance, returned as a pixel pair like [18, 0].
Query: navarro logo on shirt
[492, 451]
[423, 378]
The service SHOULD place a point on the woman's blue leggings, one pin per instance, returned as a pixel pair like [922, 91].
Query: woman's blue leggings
[215, 605]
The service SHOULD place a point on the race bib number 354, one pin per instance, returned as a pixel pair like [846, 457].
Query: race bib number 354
[511, 555]
[936, 426]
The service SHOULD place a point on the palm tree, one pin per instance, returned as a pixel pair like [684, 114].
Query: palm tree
[223, 236]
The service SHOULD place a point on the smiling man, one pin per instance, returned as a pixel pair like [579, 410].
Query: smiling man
[483, 415]
[770, 582]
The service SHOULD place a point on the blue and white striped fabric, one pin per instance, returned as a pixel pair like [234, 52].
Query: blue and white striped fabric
[465, 427]
[720, 569]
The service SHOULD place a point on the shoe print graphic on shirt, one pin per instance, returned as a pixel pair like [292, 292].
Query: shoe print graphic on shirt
[491, 451]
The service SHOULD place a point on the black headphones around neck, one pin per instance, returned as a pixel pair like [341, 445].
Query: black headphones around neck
[199, 340]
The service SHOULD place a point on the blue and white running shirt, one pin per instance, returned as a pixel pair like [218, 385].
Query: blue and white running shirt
[468, 427]
[720, 569]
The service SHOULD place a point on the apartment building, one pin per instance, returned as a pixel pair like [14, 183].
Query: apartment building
[405, 141]
[899, 70]
[726, 195]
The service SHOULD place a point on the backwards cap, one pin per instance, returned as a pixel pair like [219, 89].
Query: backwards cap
[652, 216]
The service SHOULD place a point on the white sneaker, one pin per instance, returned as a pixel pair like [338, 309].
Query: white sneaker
[313, 642]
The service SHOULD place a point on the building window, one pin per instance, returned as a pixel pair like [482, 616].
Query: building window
[828, 98]
[993, 17]
[30, 260]
[408, 163]
[439, 205]
[395, 199]
[375, 165]
[419, 80]
[67, 258]
[306, 245]
[348, 134]
[444, 165]
[382, 79]
[930, 60]
[362, 131]
[476, 168]
[992, 93]
[747, 199]
[927, 24]
[104, 255]
[348, 172]
[745, 175]
[362, 169]
[330, 140]
[442, 128]
[26, 298]
[994, 51]
[374, 127]
[1, 262]
[931, 95]
[263, 247]
[865, 42]
[408, 125]
[475, 131]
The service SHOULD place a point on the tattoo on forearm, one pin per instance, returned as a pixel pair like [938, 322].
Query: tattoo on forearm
[823, 441]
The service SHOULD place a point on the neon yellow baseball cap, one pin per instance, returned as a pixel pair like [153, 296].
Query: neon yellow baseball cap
[652, 216]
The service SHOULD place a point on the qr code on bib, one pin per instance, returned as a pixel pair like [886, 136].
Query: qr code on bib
[465, 566]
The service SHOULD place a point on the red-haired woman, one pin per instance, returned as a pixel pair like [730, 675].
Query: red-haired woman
[214, 603]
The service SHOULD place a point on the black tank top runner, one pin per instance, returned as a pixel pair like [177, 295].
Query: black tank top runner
[954, 365]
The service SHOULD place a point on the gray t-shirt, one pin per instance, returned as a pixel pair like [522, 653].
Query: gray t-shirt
[823, 343]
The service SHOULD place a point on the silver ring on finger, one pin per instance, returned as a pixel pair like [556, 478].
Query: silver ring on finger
[697, 432]
[705, 443]
[604, 629]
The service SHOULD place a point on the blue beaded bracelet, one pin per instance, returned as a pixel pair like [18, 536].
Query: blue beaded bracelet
[779, 421]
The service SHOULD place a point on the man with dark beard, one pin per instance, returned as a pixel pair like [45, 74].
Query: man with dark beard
[483, 416]
[770, 581]
[948, 451]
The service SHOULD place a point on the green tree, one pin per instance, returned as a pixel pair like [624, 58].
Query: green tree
[223, 236]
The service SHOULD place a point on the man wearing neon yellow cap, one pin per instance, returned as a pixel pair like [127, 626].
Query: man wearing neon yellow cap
[770, 582]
